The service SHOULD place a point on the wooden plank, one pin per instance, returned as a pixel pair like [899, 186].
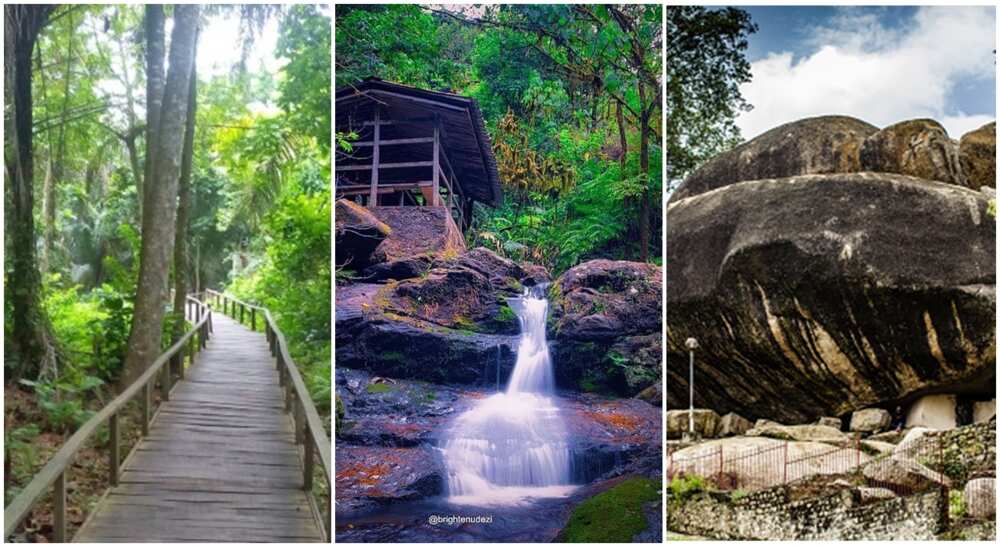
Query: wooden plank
[393, 142]
[396, 165]
[220, 462]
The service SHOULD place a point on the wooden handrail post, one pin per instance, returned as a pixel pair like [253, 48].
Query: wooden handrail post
[165, 384]
[115, 441]
[300, 424]
[59, 509]
[253, 318]
[242, 310]
[289, 395]
[146, 399]
[307, 467]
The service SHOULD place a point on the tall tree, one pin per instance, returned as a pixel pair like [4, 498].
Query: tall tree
[155, 52]
[184, 204]
[159, 213]
[706, 50]
[32, 334]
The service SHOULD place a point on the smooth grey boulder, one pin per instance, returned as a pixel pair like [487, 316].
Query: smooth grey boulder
[823, 144]
[817, 295]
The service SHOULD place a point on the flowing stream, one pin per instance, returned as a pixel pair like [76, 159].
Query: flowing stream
[512, 446]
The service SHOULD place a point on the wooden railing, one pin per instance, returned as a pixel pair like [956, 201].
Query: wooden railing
[167, 368]
[309, 431]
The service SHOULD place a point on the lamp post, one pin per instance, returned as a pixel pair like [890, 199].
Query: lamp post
[691, 345]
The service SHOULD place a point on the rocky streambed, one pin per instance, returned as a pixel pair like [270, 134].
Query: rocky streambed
[425, 332]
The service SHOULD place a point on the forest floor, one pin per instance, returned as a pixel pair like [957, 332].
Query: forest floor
[25, 455]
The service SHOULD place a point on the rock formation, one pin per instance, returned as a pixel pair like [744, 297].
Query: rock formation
[818, 294]
[920, 148]
[977, 153]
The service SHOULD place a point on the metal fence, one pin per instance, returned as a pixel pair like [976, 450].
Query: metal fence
[764, 467]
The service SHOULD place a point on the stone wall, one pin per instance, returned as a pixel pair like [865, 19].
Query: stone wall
[966, 450]
[770, 515]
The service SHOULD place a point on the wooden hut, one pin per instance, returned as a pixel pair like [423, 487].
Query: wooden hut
[415, 147]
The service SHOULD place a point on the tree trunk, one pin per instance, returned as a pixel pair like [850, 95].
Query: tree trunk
[155, 51]
[160, 211]
[56, 165]
[31, 331]
[644, 169]
[184, 204]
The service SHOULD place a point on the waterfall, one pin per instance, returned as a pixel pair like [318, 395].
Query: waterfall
[512, 445]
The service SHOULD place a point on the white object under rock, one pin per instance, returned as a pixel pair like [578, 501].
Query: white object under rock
[933, 412]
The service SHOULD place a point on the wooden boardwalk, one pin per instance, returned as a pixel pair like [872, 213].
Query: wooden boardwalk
[220, 462]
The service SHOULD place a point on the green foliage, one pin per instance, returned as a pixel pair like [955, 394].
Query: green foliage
[956, 504]
[22, 454]
[62, 402]
[305, 90]
[707, 52]
[737, 495]
[613, 516]
[683, 487]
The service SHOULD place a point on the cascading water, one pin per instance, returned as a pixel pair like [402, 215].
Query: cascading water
[512, 445]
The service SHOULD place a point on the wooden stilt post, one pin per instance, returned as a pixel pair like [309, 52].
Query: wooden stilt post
[59, 509]
[435, 199]
[377, 130]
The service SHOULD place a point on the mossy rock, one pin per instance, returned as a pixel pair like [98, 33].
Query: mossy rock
[613, 516]
[378, 388]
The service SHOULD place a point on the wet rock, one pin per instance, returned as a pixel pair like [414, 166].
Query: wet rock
[817, 295]
[980, 498]
[652, 394]
[903, 474]
[824, 144]
[378, 475]
[977, 154]
[605, 321]
[733, 424]
[933, 412]
[706, 422]
[919, 148]
[358, 234]
[612, 437]
[870, 420]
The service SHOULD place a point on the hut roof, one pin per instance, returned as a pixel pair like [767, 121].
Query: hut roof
[463, 131]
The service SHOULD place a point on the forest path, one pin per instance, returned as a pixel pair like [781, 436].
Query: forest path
[220, 462]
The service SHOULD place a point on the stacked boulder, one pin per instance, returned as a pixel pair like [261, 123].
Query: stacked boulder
[827, 266]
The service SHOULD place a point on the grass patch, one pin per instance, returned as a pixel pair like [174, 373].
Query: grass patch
[613, 516]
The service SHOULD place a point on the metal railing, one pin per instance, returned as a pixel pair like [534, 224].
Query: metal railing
[309, 431]
[167, 368]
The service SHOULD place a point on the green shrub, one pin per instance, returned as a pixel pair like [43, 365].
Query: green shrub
[683, 487]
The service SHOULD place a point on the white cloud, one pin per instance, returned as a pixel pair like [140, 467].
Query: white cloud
[863, 69]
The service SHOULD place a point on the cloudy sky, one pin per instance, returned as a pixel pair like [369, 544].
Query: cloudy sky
[880, 64]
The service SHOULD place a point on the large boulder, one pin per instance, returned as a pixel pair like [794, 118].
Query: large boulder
[733, 424]
[419, 237]
[816, 295]
[605, 324]
[980, 498]
[830, 421]
[920, 148]
[870, 420]
[706, 422]
[977, 154]
[903, 474]
[934, 412]
[809, 432]
[375, 475]
[824, 144]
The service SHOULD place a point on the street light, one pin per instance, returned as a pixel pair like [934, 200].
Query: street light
[691, 345]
